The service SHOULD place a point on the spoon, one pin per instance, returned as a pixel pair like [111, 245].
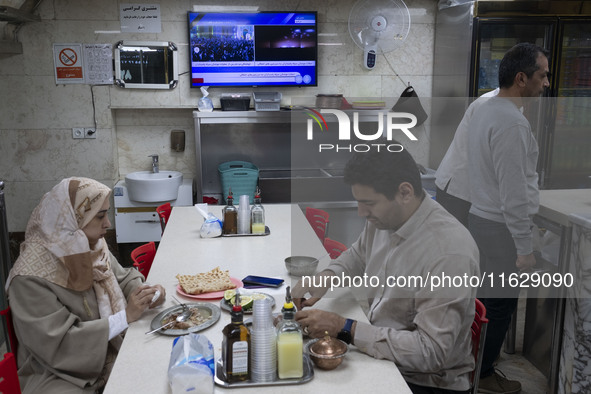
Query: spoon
[180, 303]
[180, 318]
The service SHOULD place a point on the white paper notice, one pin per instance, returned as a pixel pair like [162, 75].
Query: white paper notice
[98, 64]
[140, 18]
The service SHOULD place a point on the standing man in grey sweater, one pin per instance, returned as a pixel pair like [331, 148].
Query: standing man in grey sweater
[502, 158]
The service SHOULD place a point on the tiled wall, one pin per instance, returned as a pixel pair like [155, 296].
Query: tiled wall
[36, 115]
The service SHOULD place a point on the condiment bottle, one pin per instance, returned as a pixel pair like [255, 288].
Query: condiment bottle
[257, 215]
[236, 347]
[290, 358]
[230, 214]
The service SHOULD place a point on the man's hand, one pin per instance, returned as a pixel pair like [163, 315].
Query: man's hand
[525, 262]
[298, 292]
[316, 323]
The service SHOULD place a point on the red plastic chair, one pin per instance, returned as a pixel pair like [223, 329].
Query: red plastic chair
[334, 248]
[479, 326]
[13, 341]
[9, 383]
[318, 219]
[164, 211]
[143, 256]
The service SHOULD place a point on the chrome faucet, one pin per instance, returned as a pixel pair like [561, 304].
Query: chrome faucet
[155, 167]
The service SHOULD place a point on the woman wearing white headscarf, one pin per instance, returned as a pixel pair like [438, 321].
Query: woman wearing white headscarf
[71, 301]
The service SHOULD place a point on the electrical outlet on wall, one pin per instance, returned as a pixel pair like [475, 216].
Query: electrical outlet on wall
[90, 132]
[78, 132]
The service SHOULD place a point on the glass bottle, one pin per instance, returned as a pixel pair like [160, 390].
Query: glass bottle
[290, 359]
[236, 347]
[230, 214]
[257, 215]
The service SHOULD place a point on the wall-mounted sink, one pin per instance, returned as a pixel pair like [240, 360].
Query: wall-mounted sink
[147, 186]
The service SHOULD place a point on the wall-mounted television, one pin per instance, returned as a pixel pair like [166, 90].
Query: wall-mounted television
[253, 49]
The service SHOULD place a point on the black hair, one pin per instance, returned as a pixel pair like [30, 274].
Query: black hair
[522, 57]
[384, 171]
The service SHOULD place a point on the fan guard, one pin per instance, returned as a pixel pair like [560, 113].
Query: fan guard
[379, 26]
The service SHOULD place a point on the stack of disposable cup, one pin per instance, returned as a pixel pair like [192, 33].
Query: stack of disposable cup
[244, 215]
[263, 342]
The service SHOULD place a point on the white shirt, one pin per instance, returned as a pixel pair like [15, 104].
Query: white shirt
[424, 330]
[454, 166]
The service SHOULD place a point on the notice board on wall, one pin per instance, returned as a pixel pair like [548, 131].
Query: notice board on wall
[83, 63]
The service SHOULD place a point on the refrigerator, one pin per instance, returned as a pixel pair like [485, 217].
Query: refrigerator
[471, 38]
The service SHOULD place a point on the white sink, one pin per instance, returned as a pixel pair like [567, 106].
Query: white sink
[146, 186]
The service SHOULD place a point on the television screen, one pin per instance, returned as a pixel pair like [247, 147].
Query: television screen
[253, 49]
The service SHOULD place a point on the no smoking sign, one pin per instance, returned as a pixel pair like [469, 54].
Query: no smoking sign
[68, 57]
[68, 63]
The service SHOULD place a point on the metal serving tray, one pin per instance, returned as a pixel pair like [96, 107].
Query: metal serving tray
[308, 375]
[267, 232]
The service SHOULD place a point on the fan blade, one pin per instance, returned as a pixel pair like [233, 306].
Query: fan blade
[383, 24]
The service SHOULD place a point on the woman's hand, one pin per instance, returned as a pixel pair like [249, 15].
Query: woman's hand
[161, 297]
[139, 300]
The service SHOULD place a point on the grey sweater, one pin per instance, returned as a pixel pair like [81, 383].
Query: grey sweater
[502, 158]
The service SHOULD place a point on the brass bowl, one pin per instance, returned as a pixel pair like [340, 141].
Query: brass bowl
[327, 353]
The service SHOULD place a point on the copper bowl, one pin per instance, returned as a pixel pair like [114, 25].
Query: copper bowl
[327, 353]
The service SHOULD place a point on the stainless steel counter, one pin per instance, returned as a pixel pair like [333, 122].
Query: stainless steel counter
[544, 319]
[267, 139]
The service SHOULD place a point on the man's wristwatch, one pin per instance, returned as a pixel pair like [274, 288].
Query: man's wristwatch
[345, 334]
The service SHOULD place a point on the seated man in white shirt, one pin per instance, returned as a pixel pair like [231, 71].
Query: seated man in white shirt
[424, 329]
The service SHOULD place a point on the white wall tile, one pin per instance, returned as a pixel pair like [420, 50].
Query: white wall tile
[36, 115]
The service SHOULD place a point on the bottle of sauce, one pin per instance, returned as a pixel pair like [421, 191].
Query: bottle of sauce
[230, 214]
[290, 358]
[257, 214]
[236, 347]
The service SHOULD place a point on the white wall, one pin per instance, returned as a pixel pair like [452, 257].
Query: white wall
[36, 115]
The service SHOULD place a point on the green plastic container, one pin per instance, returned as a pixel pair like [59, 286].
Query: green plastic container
[241, 176]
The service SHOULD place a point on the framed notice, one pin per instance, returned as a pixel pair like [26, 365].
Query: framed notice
[69, 63]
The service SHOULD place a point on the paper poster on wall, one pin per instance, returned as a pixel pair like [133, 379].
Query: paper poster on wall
[98, 64]
[83, 63]
[69, 63]
[140, 18]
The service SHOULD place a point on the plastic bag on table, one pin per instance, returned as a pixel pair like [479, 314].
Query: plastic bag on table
[192, 367]
[212, 227]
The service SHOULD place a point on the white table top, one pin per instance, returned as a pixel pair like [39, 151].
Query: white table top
[557, 205]
[142, 363]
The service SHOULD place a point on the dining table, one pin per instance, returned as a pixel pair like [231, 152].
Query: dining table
[143, 360]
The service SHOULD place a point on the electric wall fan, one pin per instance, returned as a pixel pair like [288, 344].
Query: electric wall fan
[378, 27]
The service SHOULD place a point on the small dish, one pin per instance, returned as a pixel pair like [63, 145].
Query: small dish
[225, 305]
[212, 311]
[301, 265]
